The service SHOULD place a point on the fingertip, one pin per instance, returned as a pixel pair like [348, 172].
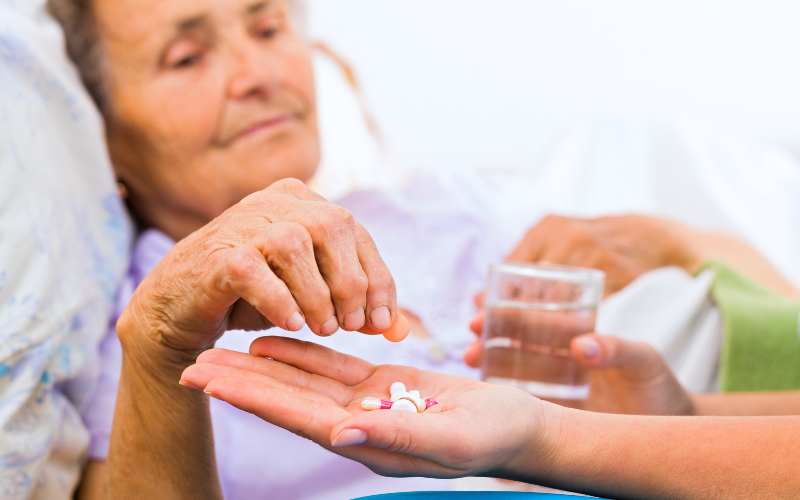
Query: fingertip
[399, 330]
[587, 349]
[472, 355]
[295, 322]
[192, 378]
[349, 437]
[476, 325]
[381, 318]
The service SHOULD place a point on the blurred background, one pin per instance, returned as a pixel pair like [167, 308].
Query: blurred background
[681, 108]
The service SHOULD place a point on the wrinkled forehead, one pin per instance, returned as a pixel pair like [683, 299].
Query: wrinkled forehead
[136, 21]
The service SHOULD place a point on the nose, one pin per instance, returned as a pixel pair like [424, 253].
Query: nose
[253, 73]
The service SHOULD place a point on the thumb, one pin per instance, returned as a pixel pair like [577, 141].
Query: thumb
[637, 359]
[396, 432]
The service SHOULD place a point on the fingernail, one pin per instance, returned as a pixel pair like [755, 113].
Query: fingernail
[349, 437]
[355, 320]
[381, 318]
[330, 327]
[296, 322]
[589, 348]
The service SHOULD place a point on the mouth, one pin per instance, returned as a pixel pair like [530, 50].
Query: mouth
[270, 125]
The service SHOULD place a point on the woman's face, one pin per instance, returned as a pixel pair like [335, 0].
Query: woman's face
[207, 101]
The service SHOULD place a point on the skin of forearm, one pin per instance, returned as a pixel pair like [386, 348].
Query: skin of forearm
[748, 404]
[745, 259]
[623, 456]
[161, 443]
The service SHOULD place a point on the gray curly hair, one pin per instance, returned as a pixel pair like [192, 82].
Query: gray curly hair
[77, 20]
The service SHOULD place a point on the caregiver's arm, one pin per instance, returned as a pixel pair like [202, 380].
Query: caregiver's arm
[491, 430]
[668, 457]
[280, 257]
[748, 403]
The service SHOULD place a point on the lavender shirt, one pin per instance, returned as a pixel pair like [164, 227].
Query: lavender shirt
[438, 234]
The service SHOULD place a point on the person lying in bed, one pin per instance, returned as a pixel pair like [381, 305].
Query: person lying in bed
[210, 110]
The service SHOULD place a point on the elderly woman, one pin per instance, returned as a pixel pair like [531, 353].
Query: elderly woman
[207, 103]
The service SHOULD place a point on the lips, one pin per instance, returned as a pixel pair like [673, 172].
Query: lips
[262, 125]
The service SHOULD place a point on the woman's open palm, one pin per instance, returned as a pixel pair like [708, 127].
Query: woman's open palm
[316, 392]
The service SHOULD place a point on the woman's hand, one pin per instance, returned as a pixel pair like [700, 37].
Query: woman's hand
[281, 257]
[315, 392]
[624, 247]
[625, 376]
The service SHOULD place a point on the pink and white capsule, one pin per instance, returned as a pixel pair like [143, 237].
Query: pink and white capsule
[375, 404]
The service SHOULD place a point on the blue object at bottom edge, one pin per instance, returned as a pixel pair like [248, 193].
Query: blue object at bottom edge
[471, 495]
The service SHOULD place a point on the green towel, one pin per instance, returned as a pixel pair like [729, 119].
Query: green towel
[761, 345]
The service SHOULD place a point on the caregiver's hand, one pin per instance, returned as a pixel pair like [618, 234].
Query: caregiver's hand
[281, 257]
[476, 428]
[624, 247]
[625, 376]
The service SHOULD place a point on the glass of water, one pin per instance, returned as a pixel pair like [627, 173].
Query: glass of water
[532, 315]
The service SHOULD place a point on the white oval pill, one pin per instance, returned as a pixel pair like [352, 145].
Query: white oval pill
[404, 405]
[397, 388]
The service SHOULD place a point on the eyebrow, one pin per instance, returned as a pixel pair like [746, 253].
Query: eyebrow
[257, 7]
[191, 24]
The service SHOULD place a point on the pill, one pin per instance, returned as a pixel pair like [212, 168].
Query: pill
[404, 405]
[396, 390]
[430, 402]
[375, 404]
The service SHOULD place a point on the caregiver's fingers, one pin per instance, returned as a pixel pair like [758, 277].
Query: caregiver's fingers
[200, 375]
[476, 325]
[637, 360]
[278, 404]
[474, 354]
[279, 371]
[289, 251]
[314, 358]
[242, 272]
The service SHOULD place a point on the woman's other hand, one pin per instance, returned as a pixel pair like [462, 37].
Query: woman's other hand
[624, 247]
[281, 257]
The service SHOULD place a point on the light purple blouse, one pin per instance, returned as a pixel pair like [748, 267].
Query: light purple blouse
[438, 234]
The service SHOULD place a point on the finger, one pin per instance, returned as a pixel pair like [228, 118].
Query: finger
[638, 359]
[199, 375]
[289, 250]
[314, 358]
[279, 371]
[382, 309]
[399, 330]
[278, 404]
[476, 325]
[473, 354]
[333, 233]
[243, 273]
[431, 436]
[479, 299]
